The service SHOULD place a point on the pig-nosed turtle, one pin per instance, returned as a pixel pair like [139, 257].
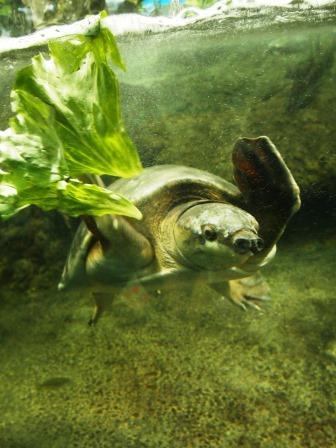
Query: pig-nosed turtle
[195, 226]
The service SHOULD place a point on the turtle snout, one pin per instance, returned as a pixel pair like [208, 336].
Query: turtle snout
[244, 244]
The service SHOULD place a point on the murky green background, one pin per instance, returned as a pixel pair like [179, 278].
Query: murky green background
[187, 369]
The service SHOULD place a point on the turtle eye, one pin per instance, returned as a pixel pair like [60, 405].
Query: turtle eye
[209, 232]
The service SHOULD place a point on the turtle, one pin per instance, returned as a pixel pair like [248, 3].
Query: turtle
[195, 226]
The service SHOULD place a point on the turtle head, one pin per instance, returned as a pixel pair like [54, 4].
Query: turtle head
[216, 236]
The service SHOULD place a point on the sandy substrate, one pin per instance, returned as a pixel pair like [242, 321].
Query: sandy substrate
[176, 371]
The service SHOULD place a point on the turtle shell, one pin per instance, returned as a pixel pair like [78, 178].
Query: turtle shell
[155, 191]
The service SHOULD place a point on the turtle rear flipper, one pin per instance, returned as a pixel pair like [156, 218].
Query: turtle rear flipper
[101, 303]
[270, 191]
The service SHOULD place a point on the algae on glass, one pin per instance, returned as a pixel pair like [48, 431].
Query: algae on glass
[67, 124]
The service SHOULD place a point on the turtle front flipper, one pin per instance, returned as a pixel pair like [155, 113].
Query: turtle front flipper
[250, 291]
[119, 250]
[270, 191]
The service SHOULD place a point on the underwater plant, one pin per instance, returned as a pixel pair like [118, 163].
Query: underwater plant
[67, 125]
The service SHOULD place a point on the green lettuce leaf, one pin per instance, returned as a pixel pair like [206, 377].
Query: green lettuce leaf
[72, 198]
[79, 84]
[67, 123]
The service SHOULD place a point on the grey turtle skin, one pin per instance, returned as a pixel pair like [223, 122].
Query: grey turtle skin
[195, 226]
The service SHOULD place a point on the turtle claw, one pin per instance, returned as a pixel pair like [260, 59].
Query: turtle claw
[250, 292]
[244, 303]
[253, 305]
[262, 299]
[240, 303]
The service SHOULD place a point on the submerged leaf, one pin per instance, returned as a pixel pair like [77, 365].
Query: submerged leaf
[67, 123]
[84, 199]
[79, 84]
[72, 198]
[35, 117]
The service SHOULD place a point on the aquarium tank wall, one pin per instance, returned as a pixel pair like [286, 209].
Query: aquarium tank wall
[182, 367]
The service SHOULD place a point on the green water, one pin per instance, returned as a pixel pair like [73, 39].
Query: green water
[195, 92]
[187, 369]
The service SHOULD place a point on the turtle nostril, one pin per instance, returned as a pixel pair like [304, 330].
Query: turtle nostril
[260, 244]
[242, 245]
[257, 245]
